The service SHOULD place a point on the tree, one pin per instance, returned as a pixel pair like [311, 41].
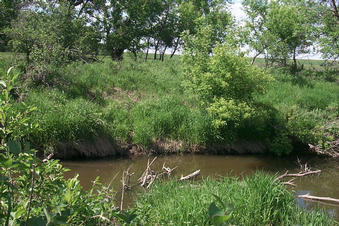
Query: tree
[51, 34]
[9, 10]
[256, 37]
[329, 30]
[283, 29]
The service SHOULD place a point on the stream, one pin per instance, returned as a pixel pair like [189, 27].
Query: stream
[110, 172]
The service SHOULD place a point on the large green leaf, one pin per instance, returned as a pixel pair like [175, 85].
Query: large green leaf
[14, 147]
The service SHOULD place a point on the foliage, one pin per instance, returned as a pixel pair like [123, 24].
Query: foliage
[51, 37]
[34, 191]
[9, 11]
[254, 200]
[329, 32]
[281, 29]
[224, 82]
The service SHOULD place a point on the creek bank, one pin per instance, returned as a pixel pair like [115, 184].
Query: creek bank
[102, 147]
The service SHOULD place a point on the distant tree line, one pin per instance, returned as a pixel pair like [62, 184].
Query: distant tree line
[60, 31]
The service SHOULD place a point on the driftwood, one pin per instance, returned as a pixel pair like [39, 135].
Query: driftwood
[300, 174]
[194, 174]
[328, 199]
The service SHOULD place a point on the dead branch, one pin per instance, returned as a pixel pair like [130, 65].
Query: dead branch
[194, 174]
[168, 170]
[148, 176]
[126, 176]
[290, 182]
[328, 199]
[300, 174]
[48, 157]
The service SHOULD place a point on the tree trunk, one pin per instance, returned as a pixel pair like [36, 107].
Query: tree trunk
[335, 9]
[163, 54]
[147, 49]
[156, 50]
[255, 57]
[117, 54]
[135, 55]
[175, 47]
[294, 66]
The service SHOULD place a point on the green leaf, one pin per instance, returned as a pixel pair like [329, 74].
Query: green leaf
[219, 200]
[37, 221]
[20, 212]
[9, 70]
[213, 210]
[3, 83]
[219, 220]
[48, 216]
[14, 147]
[7, 163]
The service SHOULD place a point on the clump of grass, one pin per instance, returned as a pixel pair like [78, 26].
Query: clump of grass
[61, 119]
[254, 200]
[168, 117]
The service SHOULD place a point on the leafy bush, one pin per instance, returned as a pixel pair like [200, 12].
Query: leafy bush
[226, 85]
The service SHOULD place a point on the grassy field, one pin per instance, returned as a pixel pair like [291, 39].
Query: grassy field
[144, 103]
[255, 200]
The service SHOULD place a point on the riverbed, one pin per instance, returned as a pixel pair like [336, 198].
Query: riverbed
[110, 172]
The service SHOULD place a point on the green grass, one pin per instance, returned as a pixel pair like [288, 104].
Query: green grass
[311, 106]
[61, 119]
[254, 200]
[144, 103]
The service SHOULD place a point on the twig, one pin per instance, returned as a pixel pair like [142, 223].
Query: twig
[194, 174]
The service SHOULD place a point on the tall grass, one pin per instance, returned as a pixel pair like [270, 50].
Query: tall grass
[61, 119]
[254, 200]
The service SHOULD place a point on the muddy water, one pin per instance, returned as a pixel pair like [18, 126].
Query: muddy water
[110, 172]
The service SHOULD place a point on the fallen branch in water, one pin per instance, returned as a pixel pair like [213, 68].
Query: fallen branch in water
[149, 175]
[194, 174]
[300, 174]
[328, 199]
